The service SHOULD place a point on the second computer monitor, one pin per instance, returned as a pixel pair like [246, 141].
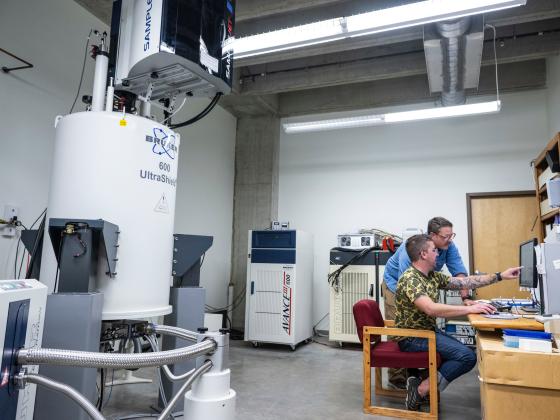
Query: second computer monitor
[528, 259]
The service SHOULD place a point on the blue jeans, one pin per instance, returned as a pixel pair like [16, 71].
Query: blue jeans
[457, 359]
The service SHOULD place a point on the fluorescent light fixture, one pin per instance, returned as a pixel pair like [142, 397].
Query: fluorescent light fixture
[413, 14]
[393, 117]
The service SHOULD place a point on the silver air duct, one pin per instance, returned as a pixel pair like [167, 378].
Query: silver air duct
[453, 48]
[453, 51]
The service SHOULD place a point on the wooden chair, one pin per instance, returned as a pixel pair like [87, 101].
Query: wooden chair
[387, 354]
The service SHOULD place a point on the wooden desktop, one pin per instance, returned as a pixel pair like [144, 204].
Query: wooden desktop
[480, 322]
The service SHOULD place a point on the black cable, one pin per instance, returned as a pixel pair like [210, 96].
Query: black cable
[82, 244]
[38, 217]
[81, 75]
[318, 322]
[234, 303]
[101, 390]
[110, 390]
[202, 114]
[333, 278]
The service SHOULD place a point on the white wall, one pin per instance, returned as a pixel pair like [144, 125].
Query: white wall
[553, 84]
[52, 36]
[205, 192]
[398, 176]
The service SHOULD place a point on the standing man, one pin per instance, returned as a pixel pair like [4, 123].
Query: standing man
[440, 231]
[417, 304]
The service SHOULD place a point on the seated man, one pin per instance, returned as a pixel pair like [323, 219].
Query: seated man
[440, 231]
[417, 307]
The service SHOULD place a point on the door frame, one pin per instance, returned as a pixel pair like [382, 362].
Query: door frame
[496, 194]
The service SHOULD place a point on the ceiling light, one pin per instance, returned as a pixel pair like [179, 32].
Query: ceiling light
[413, 14]
[334, 124]
[393, 117]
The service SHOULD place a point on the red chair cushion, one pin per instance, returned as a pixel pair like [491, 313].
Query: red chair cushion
[388, 354]
[366, 313]
[385, 353]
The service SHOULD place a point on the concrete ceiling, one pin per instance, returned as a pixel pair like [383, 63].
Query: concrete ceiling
[371, 71]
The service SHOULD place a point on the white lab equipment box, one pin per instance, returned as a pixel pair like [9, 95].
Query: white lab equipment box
[278, 306]
[360, 278]
[22, 315]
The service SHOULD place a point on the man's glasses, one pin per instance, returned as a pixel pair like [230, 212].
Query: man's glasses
[447, 237]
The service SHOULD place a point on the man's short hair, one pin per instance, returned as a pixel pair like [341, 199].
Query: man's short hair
[436, 223]
[415, 245]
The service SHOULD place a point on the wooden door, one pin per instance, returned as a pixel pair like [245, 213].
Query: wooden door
[498, 223]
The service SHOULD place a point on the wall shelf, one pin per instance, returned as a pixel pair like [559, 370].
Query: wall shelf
[542, 173]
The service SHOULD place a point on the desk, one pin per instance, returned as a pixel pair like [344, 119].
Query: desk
[479, 322]
[516, 384]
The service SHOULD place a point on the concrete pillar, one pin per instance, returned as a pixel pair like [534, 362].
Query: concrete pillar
[255, 193]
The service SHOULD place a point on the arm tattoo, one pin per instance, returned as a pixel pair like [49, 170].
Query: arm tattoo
[471, 282]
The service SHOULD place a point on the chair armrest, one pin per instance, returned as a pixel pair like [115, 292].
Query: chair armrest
[389, 323]
[402, 332]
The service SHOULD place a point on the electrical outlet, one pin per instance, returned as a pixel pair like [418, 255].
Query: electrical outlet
[9, 231]
[10, 211]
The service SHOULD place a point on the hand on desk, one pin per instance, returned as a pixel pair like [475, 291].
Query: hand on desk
[482, 308]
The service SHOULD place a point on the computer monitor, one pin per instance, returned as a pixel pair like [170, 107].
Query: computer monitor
[528, 259]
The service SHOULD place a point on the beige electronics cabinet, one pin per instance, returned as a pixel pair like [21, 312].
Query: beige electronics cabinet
[361, 279]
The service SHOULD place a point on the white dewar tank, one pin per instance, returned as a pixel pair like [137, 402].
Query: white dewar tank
[123, 169]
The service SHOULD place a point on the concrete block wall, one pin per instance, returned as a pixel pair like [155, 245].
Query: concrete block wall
[255, 195]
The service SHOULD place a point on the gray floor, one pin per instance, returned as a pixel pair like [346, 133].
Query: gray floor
[316, 381]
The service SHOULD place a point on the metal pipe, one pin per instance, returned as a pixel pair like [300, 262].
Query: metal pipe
[109, 97]
[67, 390]
[112, 361]
[100, 78]
[166, 370]
[181, 393]
[175, 331]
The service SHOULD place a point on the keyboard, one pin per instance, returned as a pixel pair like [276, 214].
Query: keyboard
[514, 302]
[500, 307]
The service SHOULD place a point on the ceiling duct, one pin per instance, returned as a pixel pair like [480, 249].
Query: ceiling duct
[453, 51]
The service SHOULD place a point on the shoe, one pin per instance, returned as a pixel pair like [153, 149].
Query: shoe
[398, 385]
[413, 398]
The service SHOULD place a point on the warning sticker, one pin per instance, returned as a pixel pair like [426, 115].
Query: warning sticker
[162, 206]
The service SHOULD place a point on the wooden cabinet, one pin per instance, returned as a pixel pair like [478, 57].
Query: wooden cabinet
[546, 166]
